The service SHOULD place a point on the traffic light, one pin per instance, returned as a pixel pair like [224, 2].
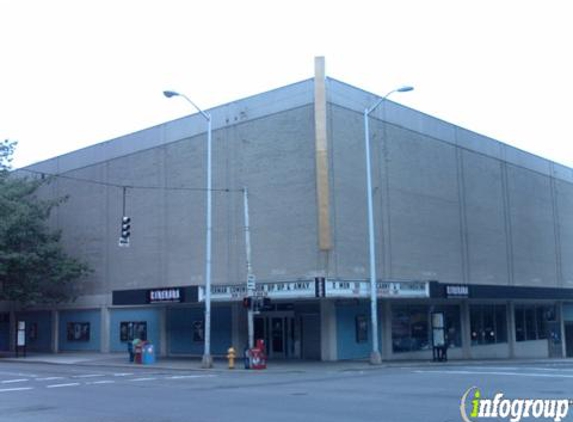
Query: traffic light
[247, 302]
[125, 231]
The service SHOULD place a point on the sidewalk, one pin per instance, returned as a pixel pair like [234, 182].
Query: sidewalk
[194, 364]
[178, 363]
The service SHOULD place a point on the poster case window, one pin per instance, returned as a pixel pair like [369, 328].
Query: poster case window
[361, 329]
[131, 330]
[198, 331]
[78, 331]
[33, 331]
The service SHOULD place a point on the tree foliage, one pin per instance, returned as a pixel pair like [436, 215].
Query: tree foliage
[33, 266]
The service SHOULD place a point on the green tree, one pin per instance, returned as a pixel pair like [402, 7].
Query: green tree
[33, 266]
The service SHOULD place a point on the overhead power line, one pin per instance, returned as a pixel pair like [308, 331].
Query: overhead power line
[121, 186]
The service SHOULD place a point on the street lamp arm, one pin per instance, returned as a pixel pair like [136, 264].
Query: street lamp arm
[367, 111]
[170, 94]
[207, 116]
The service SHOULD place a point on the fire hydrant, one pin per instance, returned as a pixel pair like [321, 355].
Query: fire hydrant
[231, 354]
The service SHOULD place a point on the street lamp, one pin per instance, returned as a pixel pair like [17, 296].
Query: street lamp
[207, 361]
[375, 357]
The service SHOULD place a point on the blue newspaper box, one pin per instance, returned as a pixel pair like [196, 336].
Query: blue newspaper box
[148, 354]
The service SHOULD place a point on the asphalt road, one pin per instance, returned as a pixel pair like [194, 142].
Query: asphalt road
[432, 392]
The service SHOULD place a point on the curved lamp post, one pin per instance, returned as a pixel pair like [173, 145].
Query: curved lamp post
[375, 357]
[207, 361]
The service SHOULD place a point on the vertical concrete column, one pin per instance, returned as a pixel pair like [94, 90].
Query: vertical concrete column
[463, 216]
[466, 330]
[163, 337]
[511, 328]
[556, 227]
[55, 331]
[105, 328]
[238, 336]
[321, 156]
[508, 223]
[559, 309]
[328, 338]
[386, 327]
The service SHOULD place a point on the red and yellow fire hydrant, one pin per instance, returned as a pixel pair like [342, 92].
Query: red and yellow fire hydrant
[231, 354]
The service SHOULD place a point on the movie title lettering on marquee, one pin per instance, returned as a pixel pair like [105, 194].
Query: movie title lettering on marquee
[317, 288]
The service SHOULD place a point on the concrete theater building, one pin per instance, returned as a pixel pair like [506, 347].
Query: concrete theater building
[464, 226]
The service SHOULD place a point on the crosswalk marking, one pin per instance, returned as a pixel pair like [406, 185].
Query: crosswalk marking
[84, 380]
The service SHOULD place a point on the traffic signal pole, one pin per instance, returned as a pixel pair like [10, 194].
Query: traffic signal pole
[251, 286]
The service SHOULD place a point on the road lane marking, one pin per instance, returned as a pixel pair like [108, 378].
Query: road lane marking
[552, 369]
[143, 379]
[123, 374]
[89, 376]
[13, 381]
[498, 368]
[100, 382]
[5, 390]
[71, 384]
[180, 377]
[49, 379]
[504, 374]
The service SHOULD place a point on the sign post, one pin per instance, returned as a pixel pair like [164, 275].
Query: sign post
[439, 341]
[251, 281]
[21, 338]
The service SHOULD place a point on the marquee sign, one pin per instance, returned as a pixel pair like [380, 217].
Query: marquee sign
[361, 289]
[457, 291]
[165, 295]
[404, 289]
[285, 290]
[320, 287]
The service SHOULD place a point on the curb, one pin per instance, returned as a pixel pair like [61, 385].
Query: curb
[288, 367]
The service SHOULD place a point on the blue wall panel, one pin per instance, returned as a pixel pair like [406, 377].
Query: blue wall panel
[41, 323]
[568, 312]
[90, 316]
[180, 323]
[151, 316]
[348, 347]
[4, 332]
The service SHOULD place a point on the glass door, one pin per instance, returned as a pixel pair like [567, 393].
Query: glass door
[277, 346]
[279, 331]
[4, 331]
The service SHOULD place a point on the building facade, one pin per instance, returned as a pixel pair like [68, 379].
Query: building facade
[466, 227]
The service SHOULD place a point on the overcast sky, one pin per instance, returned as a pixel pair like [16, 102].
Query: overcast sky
[74, 73]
